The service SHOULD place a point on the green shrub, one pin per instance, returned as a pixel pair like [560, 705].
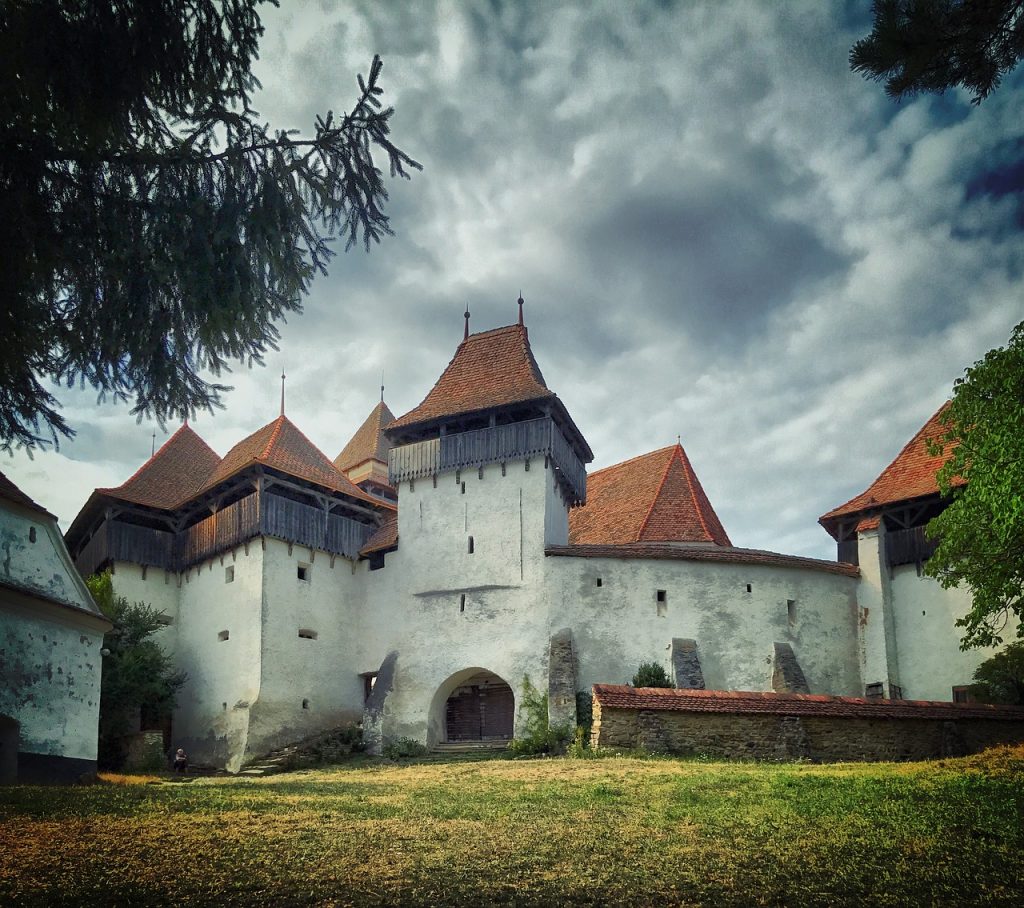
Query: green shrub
[403, 748]
[651, 674]
[538, 735]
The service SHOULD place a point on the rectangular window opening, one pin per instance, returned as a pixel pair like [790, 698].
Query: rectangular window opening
[749, 588]
[874, 691]
[223, 635]
[962, 693]
[662, 596]
[791, 610]
[369, 680]
[462, 602]
[470, 545]
[303, 573]
[229, 574]
[306, 634]
[599, 581]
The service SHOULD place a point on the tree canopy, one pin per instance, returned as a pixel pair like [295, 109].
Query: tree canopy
[934, 45]
[152, 225]
[981, 533]
[138, 676]
[1000, 678]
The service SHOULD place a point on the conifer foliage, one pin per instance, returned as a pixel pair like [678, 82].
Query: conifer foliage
[934, 45]
[152, 225]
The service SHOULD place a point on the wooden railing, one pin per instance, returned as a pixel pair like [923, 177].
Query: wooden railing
[531, 438]
[908, 546]
[246, 519]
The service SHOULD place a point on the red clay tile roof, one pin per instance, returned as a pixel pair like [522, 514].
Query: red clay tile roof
[911, 475]
[385, 537]
[698, 552]
[283, 447]
[490, 369]
[369, 442]
[621, 696]
[172, 475]
[10, 492]
[652, 498]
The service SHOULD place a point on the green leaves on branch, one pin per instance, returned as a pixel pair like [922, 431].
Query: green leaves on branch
[981, 533]
[138, 676]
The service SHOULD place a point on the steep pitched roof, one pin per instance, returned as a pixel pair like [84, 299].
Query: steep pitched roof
[172, 475]
[369, 442]
[652, 498]
[490, 369]
[911, 475]
[384, 538]
[10, 492]
[282, 446]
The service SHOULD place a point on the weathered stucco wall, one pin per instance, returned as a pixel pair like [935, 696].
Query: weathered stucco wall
[446, 610]
[927, 639]
[308, 683]
[51, 668]
[620, 623]
[212, 719]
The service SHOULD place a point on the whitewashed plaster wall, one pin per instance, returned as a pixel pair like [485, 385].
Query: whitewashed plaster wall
[617, 625]
[50, 658]
[415, 604]
[927, 639]
[153, 587]
[51, 668]
[322, 671]
[877, 629]
[212, 718]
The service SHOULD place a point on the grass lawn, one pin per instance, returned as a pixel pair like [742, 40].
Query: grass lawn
[619, 831]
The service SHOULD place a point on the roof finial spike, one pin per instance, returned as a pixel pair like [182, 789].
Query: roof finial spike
[382, 386]
[152, 452]
[282, 391]
[679, 440]
[520, 301]
[465, 335]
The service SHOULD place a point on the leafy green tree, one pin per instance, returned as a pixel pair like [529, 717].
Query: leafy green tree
[1000, 678]
[152, 225]
[651, 674]
[138, 676]
[934, 45]
[981, 533]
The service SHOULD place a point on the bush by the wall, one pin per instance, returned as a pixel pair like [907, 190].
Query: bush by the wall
[651, 674]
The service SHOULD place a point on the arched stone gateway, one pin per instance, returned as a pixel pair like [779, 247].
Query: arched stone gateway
[472, 705]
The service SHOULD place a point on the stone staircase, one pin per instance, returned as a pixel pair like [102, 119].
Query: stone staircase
[316, 750]
[495, 745]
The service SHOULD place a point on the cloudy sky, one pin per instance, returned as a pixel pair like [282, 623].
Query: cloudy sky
[720, 233]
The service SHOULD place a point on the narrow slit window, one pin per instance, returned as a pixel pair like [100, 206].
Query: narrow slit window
[31, 534]
[229, 574]
[791, 610]
[303, 573]
[462, 602]
[599, 581]
[662, 600]
[223, 635]
[470, 549]
[306, 634]
[750, 588]
[305, 704]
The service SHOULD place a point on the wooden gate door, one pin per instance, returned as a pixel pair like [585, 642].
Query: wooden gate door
[463, 715]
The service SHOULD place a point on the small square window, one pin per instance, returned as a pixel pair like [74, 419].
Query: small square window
[223, 635]
[303, 573]
[962, 693]
[874, 691]
[662, 596]
[229, 574]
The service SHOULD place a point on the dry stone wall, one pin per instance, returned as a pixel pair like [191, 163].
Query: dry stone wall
[774, 737]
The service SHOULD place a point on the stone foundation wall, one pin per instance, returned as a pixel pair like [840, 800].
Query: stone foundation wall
[774, 737]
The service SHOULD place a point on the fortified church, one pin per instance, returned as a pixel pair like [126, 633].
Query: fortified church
[413, 581]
